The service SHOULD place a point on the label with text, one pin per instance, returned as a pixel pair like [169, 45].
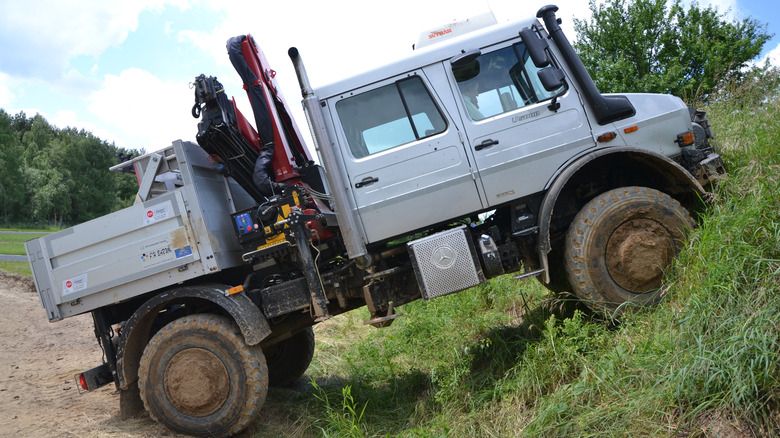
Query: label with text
[158, 213]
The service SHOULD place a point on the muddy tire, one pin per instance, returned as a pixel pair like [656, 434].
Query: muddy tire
[289, 359]
[620, 244]
[197, 376]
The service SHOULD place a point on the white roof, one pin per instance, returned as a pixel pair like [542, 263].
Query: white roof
[455, 28]
[477, 39]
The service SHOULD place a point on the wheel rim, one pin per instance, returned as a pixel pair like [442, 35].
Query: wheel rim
[637, 253]
[196, 382]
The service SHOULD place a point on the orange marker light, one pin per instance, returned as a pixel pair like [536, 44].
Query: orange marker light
[685, 139]
[234, 290]
[606, 137]
[631, 129]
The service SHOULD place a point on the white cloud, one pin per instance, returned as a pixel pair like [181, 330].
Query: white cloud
[730, 8]
[39, 37]
[70, 119]
[143, 111]
[6, 95]
[773, 57]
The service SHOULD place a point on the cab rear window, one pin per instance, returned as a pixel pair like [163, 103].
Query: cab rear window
[389, 116]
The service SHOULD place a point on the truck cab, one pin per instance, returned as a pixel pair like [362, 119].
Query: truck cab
[494, 120]
[460, 127]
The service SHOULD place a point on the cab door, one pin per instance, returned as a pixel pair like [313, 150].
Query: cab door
[517, 139]
[407, 165]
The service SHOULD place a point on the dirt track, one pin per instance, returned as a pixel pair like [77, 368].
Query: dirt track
[38, 395]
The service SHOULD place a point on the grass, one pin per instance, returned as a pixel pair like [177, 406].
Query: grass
[506, 359]
[21, 268]
[32, 228]
[13, 244]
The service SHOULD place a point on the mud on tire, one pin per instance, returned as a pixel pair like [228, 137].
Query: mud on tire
[197, 376]
[619, 245]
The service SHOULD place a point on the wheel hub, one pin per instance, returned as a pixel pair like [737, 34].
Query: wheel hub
[196, 382]
[638, 251]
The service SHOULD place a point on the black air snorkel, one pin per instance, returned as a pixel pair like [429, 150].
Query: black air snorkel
[607, 109]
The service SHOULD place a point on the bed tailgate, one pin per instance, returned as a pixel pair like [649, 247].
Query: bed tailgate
[173, 237]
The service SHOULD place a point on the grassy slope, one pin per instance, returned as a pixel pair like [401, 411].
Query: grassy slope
[505, 359]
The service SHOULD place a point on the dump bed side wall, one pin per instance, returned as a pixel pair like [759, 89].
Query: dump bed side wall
[173, 237]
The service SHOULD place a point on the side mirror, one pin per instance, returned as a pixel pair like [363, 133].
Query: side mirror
[551, 78]
[537, 47]
[464, 58]
[465, 66]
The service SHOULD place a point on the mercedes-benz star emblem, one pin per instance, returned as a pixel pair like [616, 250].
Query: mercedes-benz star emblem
[443, 256]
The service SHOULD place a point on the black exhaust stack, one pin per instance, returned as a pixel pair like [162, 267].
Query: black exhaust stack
[608, 109]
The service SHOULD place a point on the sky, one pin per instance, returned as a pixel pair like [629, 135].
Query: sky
[122, 69]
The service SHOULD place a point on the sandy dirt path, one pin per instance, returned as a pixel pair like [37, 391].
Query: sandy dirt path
[38, 359]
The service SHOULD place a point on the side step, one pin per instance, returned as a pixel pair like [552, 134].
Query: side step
[529, 274]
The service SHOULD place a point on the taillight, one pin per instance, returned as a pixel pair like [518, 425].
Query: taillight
[82, 381]
[93, 379]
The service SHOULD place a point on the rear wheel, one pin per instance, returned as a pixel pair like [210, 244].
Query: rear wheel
[620, 244]
[198, 376]
[289, 359]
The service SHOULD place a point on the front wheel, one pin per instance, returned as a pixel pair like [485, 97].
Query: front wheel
[198, 376]
[619, 245]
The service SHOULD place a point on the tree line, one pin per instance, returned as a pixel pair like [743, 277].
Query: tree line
[52, 176]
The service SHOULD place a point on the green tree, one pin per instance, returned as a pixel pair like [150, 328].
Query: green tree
[91, 187]
[660, 47]
[57, 175]
[21, 123]
[48, 181]
[11, 182]
[126, 183]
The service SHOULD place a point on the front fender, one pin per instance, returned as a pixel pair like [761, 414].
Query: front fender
[652, 169]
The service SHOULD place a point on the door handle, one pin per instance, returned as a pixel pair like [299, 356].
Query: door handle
[485, 144]
[367, 181]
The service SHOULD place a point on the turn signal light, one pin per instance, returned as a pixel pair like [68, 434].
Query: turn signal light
[685, 139]
[606, 137]
[234, 290]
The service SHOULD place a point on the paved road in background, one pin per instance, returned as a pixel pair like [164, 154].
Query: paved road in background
[12, 258]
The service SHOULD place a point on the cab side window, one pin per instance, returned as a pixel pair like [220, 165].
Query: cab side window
[389, 116]
[500, 81]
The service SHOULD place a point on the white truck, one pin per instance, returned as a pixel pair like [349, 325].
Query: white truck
[484, 153]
